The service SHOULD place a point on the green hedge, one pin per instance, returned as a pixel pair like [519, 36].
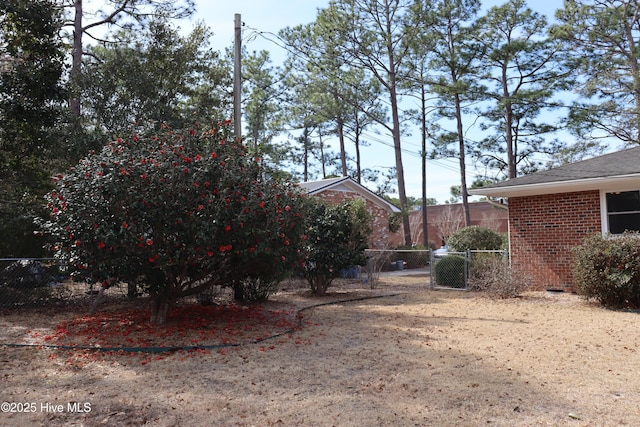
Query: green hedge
[450, 271]
[475, 238]
[607, 269]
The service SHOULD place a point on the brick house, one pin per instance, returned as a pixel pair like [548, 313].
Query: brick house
[552, 211]
[442, 220]
[336, 190]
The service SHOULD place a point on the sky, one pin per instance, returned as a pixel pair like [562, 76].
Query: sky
[263, 18]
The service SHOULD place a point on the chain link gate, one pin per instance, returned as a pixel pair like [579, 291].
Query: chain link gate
[455, 270]
[449, 270]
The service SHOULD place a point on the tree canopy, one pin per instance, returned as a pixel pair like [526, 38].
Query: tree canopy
[604, 37]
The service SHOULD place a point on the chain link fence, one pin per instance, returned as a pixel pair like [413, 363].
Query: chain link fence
[396, 263]
[462, 270]
[45, 281]
[28, 282]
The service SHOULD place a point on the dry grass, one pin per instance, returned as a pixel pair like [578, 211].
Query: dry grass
[419, 358]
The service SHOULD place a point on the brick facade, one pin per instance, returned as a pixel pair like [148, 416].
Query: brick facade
[544, 228]
[482, 213]
[380, 234]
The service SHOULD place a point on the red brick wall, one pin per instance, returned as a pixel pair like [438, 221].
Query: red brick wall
[380, 234]
[543, 229]
[481, 213]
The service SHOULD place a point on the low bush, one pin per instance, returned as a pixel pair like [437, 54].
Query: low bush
[450, 271]
[492, 275]
[475, 238]
[253, 289]
[607, 270]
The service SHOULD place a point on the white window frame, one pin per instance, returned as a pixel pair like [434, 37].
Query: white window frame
[604, 211]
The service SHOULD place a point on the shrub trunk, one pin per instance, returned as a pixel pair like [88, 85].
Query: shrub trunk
[160, 307]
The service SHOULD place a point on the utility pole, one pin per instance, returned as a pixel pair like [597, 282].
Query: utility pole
[237, 77]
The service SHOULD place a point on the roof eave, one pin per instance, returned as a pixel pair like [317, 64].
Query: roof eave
[612, 183]
[368, 194]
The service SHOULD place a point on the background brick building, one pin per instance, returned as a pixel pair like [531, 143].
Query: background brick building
[336, 190]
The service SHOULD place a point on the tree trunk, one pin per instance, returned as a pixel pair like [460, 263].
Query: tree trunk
[322, 161]
[305, 156]
[402, 193]
[508, 126]
[357, 146]
[463, 168]
[423, 119]
[343, 152]
[319, 284]
[160, 306]
[76, 64]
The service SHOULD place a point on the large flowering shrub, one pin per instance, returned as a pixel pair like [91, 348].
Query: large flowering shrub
[176, 212]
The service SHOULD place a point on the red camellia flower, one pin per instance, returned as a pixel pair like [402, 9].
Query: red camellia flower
[101, 245]
[125, 225]
[228, 247]
[261, 204]
[227, 228]
[149, 242]
[214, 155]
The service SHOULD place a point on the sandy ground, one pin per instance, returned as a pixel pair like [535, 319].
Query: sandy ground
[415, 357]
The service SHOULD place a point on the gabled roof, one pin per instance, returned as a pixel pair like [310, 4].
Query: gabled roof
[619, 171]
[346, 184]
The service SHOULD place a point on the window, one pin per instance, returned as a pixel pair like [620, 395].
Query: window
[623, 211]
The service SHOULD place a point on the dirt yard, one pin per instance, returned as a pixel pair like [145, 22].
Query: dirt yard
[408, 357]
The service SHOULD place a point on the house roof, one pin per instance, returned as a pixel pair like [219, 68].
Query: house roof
[619, 171]
[346, 184]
